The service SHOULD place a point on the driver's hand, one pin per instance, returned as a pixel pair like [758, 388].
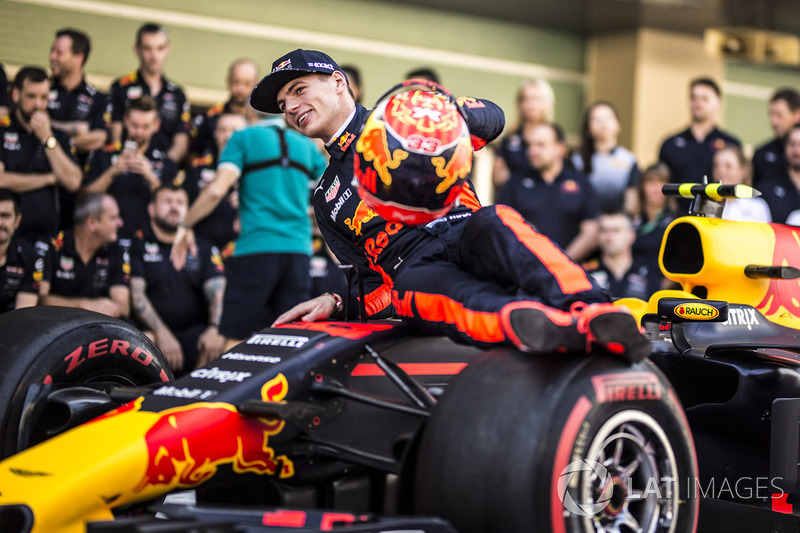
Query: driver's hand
[318, 308]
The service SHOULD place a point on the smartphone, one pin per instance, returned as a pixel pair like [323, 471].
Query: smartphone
[129, 146]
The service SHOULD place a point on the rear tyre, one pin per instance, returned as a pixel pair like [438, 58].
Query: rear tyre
[64, 346]
[561, 443]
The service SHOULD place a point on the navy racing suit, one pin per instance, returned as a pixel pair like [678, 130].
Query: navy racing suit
[453, 275]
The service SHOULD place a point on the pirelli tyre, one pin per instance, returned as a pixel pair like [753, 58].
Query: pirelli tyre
[561, 443]
[57, 346]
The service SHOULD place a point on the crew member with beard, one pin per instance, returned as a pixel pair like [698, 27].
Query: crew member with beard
[35, 159]
[20, 270]
[75, 106]
[131, 170]
[781, 191]
[181, 308]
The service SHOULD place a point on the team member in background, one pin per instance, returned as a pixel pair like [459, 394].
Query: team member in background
[22, 270]
[269, 270]
[732, 168]
[75, 107]
[769, 160]
[243, 75]
[689, 154]
[615, 269]
[85, 267]
[130, 170]
[557, 199]
[221, 225]
[35, 159]
[181, 307]
[152, 48]
[535, 105]
[476, 274]
[612, 169]
[782, 191]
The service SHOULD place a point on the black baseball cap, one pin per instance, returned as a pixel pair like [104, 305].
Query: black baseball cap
[286, 68]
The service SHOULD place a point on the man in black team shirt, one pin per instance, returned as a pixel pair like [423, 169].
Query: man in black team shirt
[21, 270]
[453, 276]
[181, 307]
[35, 159]
[131, 170]
[152, 48]
[85, 267]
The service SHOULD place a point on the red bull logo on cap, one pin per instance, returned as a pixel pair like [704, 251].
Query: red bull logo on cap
[283, 65]
[187, 444]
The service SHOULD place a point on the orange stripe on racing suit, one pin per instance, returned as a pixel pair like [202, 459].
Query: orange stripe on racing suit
[571, 278]
[479, 325]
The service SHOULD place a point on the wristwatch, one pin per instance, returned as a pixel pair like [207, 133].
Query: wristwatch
[51, 142]
[337, 306]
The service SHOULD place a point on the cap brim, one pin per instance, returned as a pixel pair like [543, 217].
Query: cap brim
[265, 95]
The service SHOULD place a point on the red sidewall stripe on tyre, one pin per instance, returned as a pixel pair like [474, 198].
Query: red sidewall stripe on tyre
[565, 443]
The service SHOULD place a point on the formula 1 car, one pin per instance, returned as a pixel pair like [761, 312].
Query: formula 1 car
[373, 427]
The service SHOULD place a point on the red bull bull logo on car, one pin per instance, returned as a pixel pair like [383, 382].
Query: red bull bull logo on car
[782, 293]
[187, 444]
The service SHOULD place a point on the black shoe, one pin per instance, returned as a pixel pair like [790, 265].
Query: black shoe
[536, 328]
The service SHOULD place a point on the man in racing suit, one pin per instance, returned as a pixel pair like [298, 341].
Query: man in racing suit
[478, 274]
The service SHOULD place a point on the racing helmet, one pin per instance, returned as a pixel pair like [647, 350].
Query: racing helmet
[414, 154]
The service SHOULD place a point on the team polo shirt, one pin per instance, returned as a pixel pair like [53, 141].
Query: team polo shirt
[557, 209]
[131, 190]
[781, 196]
[769, 161]
[274, 201]
[173, 108]
[689, 159]
[513, 151]
[177, 295]
[612, 173]
[69, 276]
[22, 272]
[218, 226]
[22, 152]
[633, 284]
[83, 103]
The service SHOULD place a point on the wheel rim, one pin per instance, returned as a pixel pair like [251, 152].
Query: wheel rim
[636, 489]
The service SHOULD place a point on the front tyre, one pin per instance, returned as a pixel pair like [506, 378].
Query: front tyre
[60, 347]
[558, 443]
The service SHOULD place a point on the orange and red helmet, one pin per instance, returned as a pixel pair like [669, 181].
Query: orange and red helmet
[414, 154]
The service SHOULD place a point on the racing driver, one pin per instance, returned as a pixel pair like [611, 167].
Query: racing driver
[480, 275]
